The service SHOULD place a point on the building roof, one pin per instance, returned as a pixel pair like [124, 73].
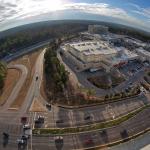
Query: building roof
[143, 51]
[93, 47]
[123, 55]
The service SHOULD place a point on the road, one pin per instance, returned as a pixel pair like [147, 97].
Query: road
[26, 50]
[99, 137]
[10, 120]
[18, 86]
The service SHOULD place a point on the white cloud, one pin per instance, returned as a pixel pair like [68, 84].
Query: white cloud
[107, 10]
[141, 11]
[21, 9]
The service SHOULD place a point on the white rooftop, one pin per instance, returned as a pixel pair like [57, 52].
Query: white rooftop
[93, 47]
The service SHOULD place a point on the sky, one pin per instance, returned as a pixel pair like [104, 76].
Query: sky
[135, 13]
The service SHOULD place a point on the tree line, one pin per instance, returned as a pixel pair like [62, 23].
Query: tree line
[3, 71]
[56, 75]
[28, 37]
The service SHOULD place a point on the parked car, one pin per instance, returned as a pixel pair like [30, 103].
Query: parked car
[59, 121]
[87, 117]
[26, 127]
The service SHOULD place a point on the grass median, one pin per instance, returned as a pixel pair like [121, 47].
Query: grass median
[97, 126]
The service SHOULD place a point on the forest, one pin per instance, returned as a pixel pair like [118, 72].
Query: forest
[15, 42]
[27, 35]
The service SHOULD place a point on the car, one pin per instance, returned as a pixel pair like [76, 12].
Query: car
[87, 117]
[41, 119]
[23, 120]
[5, 138]
[88, 141]
[37, 78]
[58, 138]
[5, 135]
[133, 70]
[59, 121]
[25, 137]
[130, 83]
[26, 127]
[126, 90]
[48, 106]
[21, 141]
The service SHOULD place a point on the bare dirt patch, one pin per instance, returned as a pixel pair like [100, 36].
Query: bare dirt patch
[10, 81]
[29, 61]
[37, 106]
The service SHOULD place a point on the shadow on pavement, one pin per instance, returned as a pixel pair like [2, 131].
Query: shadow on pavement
[104, 136]
[124, 134]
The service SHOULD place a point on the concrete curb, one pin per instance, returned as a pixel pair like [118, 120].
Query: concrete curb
[93, 105]
[46, 135]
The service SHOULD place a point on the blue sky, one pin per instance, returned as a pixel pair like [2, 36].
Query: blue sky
[134, 13]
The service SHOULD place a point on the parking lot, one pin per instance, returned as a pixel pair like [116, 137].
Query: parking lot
[131, 68]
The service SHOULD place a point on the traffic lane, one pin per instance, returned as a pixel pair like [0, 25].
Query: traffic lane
[34, 85]
[135, 144]
[96, 113]
[69, 142]
[26, 50]
[10, 128]
[12, 142]
[98, 137]
[105, 114]
[119, 132]
[113, 134]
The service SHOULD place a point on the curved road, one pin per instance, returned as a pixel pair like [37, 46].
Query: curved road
[18, 86]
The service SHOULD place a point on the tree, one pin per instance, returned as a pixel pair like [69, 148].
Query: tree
[3, 71]
[55, 70]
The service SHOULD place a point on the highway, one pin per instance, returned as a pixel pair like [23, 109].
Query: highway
[99, 137]
[10, 120]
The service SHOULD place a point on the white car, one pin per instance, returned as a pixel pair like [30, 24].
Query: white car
[26, 127]
[20, 141]
[58, 138]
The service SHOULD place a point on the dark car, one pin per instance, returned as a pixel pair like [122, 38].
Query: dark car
[48, 106]
[5, 139]
[23, 120]
[37, 78]
[5, 135]
[87, 117]
[88, 141]
[41, 119]
[59, 121]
